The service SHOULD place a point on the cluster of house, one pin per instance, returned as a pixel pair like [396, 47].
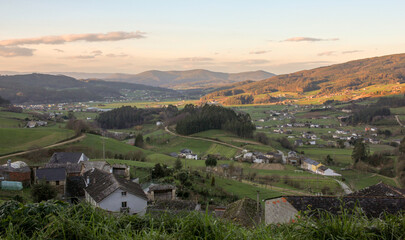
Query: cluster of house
[33, 124]
[259, 157]
[103, 185]
[185, 153]
[372, 201]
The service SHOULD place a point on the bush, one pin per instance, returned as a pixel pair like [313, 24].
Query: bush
[43, 192]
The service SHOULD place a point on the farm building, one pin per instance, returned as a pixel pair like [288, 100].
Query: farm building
[114, 193]
[65, 157]
[157, 192]
[53, 176]
[16, 171]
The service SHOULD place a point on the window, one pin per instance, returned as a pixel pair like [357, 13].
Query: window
[57, 183]
[124, 204]
[123, 194]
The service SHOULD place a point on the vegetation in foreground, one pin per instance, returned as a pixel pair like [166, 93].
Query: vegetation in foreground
[57, 220]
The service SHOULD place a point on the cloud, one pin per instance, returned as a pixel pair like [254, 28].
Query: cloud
[251, 62]
[82, 57]
[112, 55]
[96, 53]
[259, 52]
[58, 50]
[308, 39]
[327, 53]
[15, 51]
[351, 51]
[88, 37]
[195, 59]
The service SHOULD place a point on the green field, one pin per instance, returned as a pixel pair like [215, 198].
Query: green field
[20, 139]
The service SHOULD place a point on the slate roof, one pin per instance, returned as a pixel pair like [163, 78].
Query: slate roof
[65, 157]
[102, 184]
[161, 187]
[70, 167]
[310, 161]
[244, 212]
[51, 174]
[380, 190]
[323, 168]
[101, 165]
[371, 206]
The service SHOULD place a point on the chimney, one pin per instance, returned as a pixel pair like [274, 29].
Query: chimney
[9, 163]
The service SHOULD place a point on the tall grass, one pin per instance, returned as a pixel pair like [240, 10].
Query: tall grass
[57, 220]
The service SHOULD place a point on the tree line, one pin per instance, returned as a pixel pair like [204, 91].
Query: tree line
[208, 117]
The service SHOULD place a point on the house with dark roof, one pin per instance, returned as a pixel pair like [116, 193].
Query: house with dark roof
[65, 157]
[372, 201]
[54, 176]
[114, 193]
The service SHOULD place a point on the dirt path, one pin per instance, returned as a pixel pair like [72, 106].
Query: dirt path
[399, 122]
[203, 139]
[76, 139]
[345, 188]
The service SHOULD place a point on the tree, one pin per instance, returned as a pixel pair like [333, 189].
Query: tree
[211, 161]
[329, 160]
[262, 138]
[402, 147]
[360, 151]
[213, 181]
[178, 164]
[42, 192]
[139, 140]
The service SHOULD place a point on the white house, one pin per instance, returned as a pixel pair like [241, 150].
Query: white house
[192, 156]
[114, 193]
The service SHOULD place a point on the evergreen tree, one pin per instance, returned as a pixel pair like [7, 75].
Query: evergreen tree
[211, 161]
[139, 140]
[178, 164]
[360, 151]
[402, 147]
[213, 181]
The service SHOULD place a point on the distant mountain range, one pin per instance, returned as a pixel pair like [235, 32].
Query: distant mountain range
[327, 80]
[190, 79]
[46, 88]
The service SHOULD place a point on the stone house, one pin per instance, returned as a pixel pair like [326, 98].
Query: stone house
[157, 192]
[114, 193]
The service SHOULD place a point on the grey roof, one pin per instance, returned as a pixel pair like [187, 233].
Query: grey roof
[101, 165]
[51, 174]
[161, 187]
[371, 206]
[310, 161]
[102, 184]
[323, 168]
[380, 190]
[186, 150]
[70, 167]
[65, 157]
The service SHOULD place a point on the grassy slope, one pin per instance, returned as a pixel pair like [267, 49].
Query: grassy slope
[20, 139]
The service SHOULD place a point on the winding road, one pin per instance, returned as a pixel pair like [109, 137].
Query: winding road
[399, 122]
[76, 139]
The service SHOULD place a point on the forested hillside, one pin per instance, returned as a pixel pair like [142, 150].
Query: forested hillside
[45, 88]
[328, 80]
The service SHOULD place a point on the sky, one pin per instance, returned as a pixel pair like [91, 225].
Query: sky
[130, 36]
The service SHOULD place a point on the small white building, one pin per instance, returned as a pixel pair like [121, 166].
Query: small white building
[192, 156]
[114, 193]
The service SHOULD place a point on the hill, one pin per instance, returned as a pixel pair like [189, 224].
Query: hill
[45, 88]
[197, 78]
[349, 76]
